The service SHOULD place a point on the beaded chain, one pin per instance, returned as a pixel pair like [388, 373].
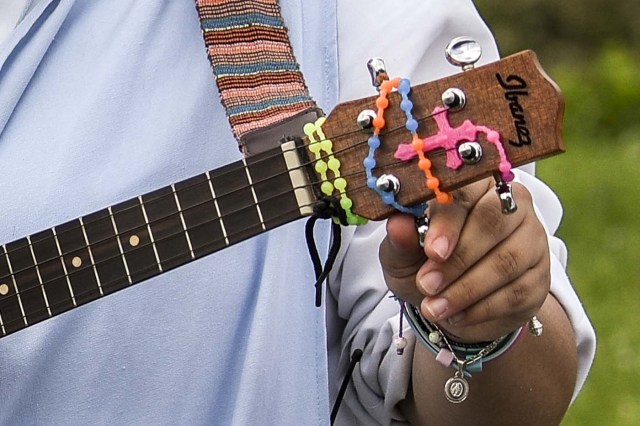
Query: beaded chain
[388, 197]
[432, 182]
[448, 138]
[321, 147]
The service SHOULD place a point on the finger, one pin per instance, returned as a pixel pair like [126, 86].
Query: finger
[485, 227]
[401, 257]
[447, 220]
[513, 303]
[502, 265]
[501, 312]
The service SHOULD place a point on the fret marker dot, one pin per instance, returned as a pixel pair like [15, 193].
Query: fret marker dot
[4, 289]
[134, 240]
[76, 262]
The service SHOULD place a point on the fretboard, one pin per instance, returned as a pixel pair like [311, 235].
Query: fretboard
[58, 269]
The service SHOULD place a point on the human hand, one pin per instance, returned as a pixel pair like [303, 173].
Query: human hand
[482, 274]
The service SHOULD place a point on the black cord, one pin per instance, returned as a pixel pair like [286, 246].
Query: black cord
[355, 358]
[324, 209]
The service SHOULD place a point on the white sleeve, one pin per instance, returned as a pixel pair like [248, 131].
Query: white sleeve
[362, 315]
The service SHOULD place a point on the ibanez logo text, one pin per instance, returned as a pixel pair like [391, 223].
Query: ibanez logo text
[515, 89]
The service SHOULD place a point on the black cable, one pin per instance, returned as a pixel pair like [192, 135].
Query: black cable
[355, 358]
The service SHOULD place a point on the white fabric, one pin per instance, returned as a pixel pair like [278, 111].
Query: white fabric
[103, 101]
[11, 14]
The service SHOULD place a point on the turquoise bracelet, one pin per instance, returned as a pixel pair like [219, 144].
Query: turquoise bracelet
[426, 332]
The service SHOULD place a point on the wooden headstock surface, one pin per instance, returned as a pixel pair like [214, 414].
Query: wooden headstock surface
[513, 96]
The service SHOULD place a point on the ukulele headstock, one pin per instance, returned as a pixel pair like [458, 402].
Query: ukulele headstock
[465, 127]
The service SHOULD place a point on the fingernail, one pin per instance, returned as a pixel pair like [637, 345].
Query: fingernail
[441, 246]
[437, 307]
[431, 282]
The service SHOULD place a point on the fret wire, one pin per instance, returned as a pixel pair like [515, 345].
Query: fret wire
[64, 267]
[153, 243]
[184, 225]
[124, 259]
[95, 270]
[15, 285]
[4, 332]
[253, 193]
[215, 203]
[35, 264]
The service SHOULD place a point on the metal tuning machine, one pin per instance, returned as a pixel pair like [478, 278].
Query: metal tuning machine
[378, 71]
[463, 52]
[505, 193]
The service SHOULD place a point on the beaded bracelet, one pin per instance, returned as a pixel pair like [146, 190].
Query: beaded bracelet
[466, 358]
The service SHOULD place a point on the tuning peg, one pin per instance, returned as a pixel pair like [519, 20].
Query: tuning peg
[505, 193]
[470, 152]
[422, 225]
[378, 71]
[463, 52]
[365, 119]
[454, 99]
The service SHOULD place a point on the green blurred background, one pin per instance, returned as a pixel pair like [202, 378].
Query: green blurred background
[592, 50]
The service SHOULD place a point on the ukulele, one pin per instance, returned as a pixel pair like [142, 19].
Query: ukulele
[468, 126]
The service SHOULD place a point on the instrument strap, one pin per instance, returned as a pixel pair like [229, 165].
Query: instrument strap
[261, 86]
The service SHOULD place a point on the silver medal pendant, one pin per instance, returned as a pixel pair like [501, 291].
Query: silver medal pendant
[456, 388]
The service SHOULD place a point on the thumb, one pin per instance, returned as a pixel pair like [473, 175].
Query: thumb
[401, 257]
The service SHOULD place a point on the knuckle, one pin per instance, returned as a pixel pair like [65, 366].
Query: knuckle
[491, 218]
[507, 263]
[488, 309]
[458, 259]
[517, 297]
[464, 294]
[468, 196]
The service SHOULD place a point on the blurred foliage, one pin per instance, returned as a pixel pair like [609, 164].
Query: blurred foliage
[563, 31]
[592, 50]
[592, 47]
[602, 98]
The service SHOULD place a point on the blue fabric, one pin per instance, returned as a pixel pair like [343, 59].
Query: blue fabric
[101, 101]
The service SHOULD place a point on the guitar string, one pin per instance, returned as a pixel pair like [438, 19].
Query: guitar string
[92, 265]
[144, 270]
[44, 263]
[149, 268]
[143, 228]
[262, 160]
[60, 258]
[68, 275]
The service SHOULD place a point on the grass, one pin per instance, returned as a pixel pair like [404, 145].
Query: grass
[597, 181]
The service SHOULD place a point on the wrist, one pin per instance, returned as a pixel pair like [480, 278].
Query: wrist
[452, 351]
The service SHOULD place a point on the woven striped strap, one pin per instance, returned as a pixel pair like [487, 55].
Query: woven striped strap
[258, 78]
